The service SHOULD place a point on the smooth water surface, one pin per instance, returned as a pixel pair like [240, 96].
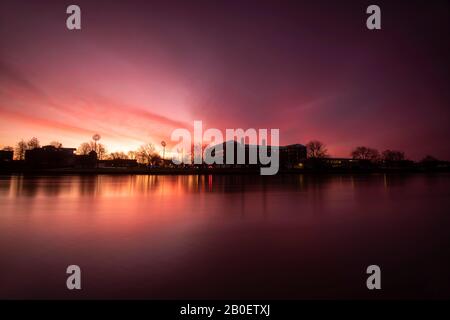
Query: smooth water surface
[282, 237]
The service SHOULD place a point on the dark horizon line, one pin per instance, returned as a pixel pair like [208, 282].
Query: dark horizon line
[225, 142]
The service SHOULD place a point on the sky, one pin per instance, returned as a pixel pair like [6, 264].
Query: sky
[137, 70]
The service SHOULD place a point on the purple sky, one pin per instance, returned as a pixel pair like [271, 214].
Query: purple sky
[139, 69]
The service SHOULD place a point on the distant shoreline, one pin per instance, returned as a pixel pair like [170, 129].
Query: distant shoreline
[213, 171]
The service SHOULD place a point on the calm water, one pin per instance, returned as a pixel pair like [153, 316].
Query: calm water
[295, 236]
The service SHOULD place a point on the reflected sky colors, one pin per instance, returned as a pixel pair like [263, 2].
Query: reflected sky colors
[296, 236]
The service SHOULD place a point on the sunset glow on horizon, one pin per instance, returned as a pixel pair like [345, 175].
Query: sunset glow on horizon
[134, 73]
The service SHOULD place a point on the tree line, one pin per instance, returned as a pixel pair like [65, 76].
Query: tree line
[317, 149]
[22, 146]
[147, 154]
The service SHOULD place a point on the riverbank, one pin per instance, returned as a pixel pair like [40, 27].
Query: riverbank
[213, 171]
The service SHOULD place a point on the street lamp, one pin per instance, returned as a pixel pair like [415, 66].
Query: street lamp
[163, 143]
[96, 137]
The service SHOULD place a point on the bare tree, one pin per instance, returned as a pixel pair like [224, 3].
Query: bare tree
[365, 153]
[117, 155]
[33, 143]
[21, 147]
[429, 159]
[156, 159]
[56, 144]
[84, 148]
[316, 149]
[147, 154]
[8, 148]
[131, 155]
[102, 153]
[393, 155]
[430, 162]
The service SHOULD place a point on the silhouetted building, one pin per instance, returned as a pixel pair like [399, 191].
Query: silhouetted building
[86, 160]
[6, 156]
[393, 164]
[50, 157]
[335, 163]
[289, 156]
[117, 163]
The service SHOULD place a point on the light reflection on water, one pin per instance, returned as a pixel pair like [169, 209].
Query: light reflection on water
[293, 236]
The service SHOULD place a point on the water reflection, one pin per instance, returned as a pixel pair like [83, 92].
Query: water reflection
[242, 194]
[286, 236]
[124, 185]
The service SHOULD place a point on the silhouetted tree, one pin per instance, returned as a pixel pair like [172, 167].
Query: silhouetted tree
[56, 144]
[87, 147]
[393, 155]
[316, 149]
[429, 159]
[131, 155]
[102, 153]
[429, 162]
[8, 148]
[84, 148]
[19, 152]
[117, 155]
[156, 159]
[33, 143]
[365, 153]
[146, 154]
